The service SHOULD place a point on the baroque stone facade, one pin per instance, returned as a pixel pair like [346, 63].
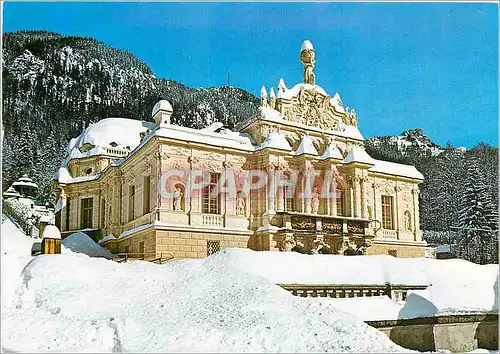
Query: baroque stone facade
[294, 177]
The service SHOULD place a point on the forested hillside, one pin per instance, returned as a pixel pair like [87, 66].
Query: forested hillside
[460, 189]
[54, 86]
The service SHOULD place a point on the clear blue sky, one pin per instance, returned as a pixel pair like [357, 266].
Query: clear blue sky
[408, 65]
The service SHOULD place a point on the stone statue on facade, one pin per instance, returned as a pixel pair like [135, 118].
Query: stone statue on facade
[407, 221]
[178, 198]
[288, 243]
[315, 200]
[353, 120]
[240, 204]
[307, 58]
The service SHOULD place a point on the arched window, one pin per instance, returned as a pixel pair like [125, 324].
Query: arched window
[407, 219]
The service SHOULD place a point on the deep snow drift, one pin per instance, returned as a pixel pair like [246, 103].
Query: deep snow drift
[455, 285]
[82, 243]
[72, 302]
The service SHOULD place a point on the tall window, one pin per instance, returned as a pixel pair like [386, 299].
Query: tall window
[131, 202]
[103, 213]
[68, 204]
[340, 202]
[387, 212]
[146, 195]
[86, 216]
[288, 195]
[210, 202]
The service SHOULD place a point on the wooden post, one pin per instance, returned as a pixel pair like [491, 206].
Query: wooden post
[51, 246]
[51, 242]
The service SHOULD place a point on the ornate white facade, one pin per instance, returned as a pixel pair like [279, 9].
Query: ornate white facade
[322, 191]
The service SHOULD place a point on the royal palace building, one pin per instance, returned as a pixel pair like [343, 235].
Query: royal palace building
[293, 177]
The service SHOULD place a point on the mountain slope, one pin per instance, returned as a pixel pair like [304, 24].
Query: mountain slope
[54, 86]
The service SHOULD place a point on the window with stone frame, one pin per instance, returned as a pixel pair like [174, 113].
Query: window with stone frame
[86, 213]
[211, 202]
[288, 196]
[103, 213]
[131, 203]
[141, 249]
[387, 210]
[146, 195]
[213, 246]
[340, 197]
[68, 205]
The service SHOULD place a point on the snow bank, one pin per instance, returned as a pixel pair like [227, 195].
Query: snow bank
[368, 308]
[458, 286]
[455, 286]
[81, 243]
[75, 303]
[296, 268]
[16, 253]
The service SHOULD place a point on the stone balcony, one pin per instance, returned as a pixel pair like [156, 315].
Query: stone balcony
[340, 233]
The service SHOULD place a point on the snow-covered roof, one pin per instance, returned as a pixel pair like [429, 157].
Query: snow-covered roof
[396, 169]
[25, 181]
[108, 136]
[263, 92]
[225, 138]
[358, 155]
[162, 105]
[11, 192]
[275, 140]
[336, 101]
[346, 131]
[306, 45]
[332, 152]
[306, 146]
[294, 91]
[63, 175]
[106, 238]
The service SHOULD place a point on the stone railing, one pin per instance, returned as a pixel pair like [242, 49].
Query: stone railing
[212, 220]
[394, 291]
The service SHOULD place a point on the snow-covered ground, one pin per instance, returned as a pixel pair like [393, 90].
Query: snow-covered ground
[72, 302]
[454, 286]
[226, 302]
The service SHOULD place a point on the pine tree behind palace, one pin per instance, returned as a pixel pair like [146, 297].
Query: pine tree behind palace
[64, 83]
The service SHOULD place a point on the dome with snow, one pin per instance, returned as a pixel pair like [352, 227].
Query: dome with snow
[25, 186]
[107, 136]
[11, 193]
[162, 105]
